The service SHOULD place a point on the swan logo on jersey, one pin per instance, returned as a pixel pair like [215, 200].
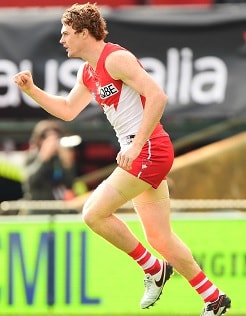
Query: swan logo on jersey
[108, 90]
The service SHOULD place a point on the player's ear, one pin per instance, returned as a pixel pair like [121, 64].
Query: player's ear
[85, 32]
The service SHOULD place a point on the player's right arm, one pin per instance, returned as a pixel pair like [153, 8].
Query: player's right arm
[65, 108]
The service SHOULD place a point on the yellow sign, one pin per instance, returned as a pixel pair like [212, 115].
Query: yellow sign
[60, 266]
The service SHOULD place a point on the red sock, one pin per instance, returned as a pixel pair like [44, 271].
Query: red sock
[149, 263]
[204, 287]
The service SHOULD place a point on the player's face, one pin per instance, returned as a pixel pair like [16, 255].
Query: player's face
[71, 41]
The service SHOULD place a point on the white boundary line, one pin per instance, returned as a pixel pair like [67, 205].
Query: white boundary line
[176, 216]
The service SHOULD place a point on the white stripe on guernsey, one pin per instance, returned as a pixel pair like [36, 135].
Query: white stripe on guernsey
[209, 291]
[201, 283]
[144, 165]
[127, 118]
[149, 149]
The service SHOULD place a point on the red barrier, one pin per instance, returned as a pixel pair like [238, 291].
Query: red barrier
[65, 3]
[111, 3]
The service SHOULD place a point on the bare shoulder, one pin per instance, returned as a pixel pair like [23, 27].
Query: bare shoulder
[120, 62]
[120, 56]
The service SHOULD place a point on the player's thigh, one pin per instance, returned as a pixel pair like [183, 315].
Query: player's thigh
[128, 185]
[153, 195]
[153, 208]
[113, 192]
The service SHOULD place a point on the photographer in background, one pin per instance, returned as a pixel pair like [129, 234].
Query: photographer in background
[49, 167]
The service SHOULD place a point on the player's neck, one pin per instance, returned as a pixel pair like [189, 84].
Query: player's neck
[95, 53]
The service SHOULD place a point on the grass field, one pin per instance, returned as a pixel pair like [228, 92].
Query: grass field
[229, 313]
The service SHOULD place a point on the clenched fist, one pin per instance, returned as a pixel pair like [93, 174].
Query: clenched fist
[24, 80]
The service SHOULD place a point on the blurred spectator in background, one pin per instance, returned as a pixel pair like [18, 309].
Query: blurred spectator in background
[11, 173]
[49, 166]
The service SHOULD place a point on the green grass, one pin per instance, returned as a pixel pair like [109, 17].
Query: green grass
[230, 313]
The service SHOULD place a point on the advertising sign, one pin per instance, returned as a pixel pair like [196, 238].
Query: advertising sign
[61, 266]
[197, 57]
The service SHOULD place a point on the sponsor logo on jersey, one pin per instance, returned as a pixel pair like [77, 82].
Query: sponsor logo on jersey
[107, 91]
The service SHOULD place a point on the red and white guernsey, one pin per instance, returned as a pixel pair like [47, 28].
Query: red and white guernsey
[122, 105]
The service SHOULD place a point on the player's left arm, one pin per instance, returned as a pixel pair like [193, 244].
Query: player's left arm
[123, 65]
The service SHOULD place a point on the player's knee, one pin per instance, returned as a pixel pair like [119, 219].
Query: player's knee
[87, 215]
